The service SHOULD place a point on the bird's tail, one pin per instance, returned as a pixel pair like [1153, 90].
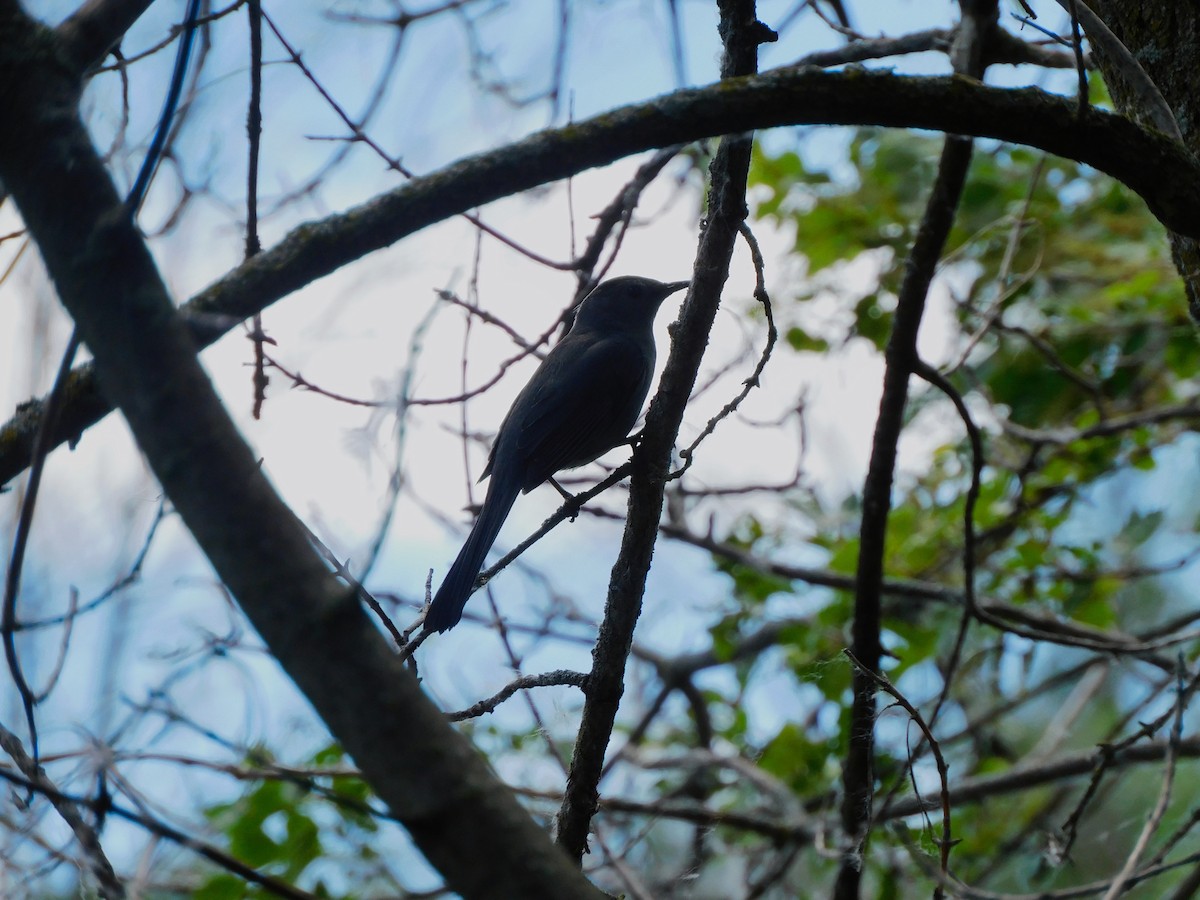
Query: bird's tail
[447, 606]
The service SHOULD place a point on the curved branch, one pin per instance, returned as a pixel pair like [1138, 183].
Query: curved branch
[1161, 171]
[96, 27]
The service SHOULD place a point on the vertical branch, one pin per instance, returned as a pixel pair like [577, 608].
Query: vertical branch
[900, 357]
[12, 579]
[1080, 68]
[253, 244]
[741, 33]
[901, 360]
[254, 127]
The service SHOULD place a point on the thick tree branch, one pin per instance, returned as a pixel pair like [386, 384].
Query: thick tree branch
[465, 821]
[1154, 44]
[91, 31]
[1163, 173]
[1150, 102]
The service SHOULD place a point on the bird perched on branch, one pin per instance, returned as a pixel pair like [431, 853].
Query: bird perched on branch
[581, 402]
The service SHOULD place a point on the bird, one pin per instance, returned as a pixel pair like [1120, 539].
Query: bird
[580, 403]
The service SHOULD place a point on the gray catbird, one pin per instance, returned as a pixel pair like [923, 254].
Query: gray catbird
[581, 402]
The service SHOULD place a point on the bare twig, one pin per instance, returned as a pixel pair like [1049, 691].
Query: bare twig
[946, 843]
[549, 679]
[12, 579]
[36, 781]
[253, 244]
[687, 454]
[1164, 795]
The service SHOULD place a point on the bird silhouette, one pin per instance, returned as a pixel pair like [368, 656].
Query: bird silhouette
[581, 402]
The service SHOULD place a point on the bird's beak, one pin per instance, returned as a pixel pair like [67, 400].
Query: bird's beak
[674, 286]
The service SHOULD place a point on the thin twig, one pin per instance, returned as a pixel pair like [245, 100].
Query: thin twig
[1164, 795]
[254, 121]
[12, 580]
[34, 780]
[946, 843]
[687, 454]
[557, 678]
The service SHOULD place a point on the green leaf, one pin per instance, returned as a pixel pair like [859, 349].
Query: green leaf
[221, 887]
[801, 340]
[1140, 528]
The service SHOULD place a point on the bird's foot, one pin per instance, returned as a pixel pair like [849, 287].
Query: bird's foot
[572, 502]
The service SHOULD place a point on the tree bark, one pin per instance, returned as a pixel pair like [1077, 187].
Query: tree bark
[1164, 38]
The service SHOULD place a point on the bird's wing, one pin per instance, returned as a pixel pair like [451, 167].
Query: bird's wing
[580, 403]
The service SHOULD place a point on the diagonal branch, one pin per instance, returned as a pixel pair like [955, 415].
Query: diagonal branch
[91, 31]
[459, 814]
[1151, 102]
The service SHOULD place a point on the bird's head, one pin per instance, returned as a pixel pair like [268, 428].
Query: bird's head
[626, 303]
